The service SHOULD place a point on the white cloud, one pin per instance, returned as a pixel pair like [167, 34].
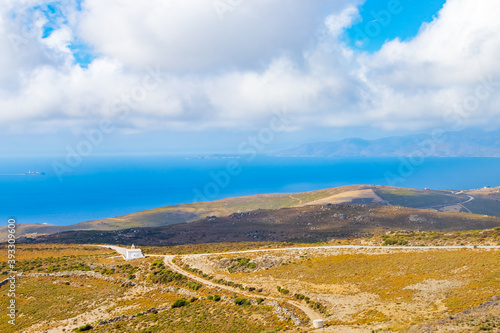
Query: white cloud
[264, 56]
[336, 23]
[189, 35]
[442, 67]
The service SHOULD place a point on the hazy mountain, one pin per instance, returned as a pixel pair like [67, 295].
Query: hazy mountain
[450, 144]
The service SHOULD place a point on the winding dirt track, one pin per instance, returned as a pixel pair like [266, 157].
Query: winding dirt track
[310, 313]
[304, 308]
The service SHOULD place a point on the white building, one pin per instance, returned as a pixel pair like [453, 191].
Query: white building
[133, 253]
[318, 323]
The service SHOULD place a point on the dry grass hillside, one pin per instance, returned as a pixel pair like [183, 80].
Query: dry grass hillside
[307, 224]
[228, 287]
[376, 290]
[486, 203]
[61, 288]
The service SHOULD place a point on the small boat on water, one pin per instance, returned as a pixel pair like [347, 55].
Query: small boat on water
[34, 173]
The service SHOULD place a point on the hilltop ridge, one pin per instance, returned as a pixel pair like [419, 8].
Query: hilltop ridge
[478, 201]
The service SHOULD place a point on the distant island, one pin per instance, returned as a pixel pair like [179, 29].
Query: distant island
[449, 144]
[213, 157]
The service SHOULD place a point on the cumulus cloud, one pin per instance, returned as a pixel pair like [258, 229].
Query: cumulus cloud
[439, 70]
[336, 23]
[190, 35]
[234, 71]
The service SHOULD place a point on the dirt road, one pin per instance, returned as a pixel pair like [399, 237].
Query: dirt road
[304, 308]
[310, 313]
[168, 259]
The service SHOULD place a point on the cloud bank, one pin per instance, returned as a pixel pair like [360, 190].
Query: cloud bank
[201, 65]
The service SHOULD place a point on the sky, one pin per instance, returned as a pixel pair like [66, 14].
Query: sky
[175, 76]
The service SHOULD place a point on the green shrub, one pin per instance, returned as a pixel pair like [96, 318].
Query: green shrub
[396, 240]
[157, 263]
[241, 301]
[215, 298]
[180, 303]
[318, 306]
[194, 285]
[282, 290]
[241, 262]
[83, 328]
[299, 296]
[165, 276]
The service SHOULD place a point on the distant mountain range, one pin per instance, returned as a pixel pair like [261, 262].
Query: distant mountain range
[450, 144]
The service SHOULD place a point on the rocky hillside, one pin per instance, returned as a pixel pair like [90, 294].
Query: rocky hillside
[486, 201]
[296, 224]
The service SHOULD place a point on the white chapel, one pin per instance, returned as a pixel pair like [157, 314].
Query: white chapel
[133, 253]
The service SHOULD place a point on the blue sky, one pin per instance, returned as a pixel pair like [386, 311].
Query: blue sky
[381, 21]
[378, 22]
[179, 76]
[54, 13]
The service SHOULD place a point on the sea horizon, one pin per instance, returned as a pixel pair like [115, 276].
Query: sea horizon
[109, 186]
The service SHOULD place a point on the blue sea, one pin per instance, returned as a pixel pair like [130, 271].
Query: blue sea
[107, 186]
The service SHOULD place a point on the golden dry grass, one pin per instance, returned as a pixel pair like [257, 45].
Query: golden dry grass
[201, 317]
[39, 299]
[399, 289]
[51, 301]
[32, 251]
